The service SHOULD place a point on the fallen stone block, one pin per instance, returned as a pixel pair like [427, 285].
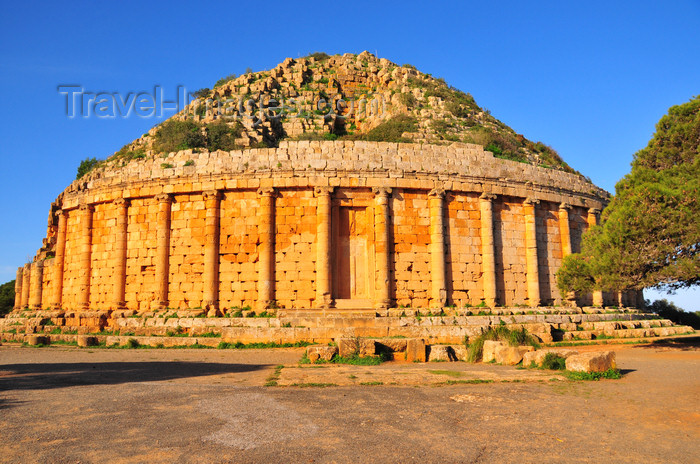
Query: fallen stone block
[415, 350]
[488, 353]
[323, 353]
[511, 355]
[591, 362]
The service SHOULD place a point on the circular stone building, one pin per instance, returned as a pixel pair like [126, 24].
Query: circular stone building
[344, 223]
[312, 225]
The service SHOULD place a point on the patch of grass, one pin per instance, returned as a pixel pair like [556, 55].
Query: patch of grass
[467, 381]
[372, 383]
[210, 335]
[314, 384]
[242, 346]
[271, 381]
[554, 362]
[64, 343]
[132, 343]
[609, 374]
[445, 372]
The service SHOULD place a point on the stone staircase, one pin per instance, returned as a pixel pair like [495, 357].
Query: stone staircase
[449, 326]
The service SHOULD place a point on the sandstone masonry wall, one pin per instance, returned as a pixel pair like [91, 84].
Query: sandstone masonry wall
[311, 224]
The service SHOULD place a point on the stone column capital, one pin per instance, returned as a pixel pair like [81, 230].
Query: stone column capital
[59, 212]
[164, 198]
[212, 194]
[564, 206]
[487, 196]
[123, 202]
[382, 191]
[323, 191]
[269, 191]
[437, 192]
[86, 207]
[531, 201]
[593, 211]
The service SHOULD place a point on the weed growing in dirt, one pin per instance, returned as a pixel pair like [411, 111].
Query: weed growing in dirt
[609, 374]
[445, 372]
[554, 362]
[271, 381]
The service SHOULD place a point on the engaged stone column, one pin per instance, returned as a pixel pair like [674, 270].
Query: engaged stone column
[266, 231]
[323, 247]
[18, 288]
[26, 275]
[592, 220]
[59, 260]
[120, 245]
[163, 249]
[212, 203]
[488, 252]
[382, 230]
[533, 272]
[37, 274]
[84, 264]
[564, 231]
[437, 247]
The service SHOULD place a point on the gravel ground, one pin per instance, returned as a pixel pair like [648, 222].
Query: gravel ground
[151, 406]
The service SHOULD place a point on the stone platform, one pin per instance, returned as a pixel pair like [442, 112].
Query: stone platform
[451, 326]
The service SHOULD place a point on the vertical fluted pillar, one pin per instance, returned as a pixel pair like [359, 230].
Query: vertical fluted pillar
[84, 260]
[323, 247]
[59, 260]
[382, 246]
[533, 272]
[266, 231]
[163, 249]
[592, 220]
[18, 288]
[120, 246]
[437, 247]
[488, 252]
[26, 277]
[37, 275]
[212, 204]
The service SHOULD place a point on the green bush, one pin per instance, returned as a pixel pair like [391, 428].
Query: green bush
[318, 56]
[554, 362]
[7, 297]
[87, 165]
[670, 311]
[221, 136]
[408, 100]
[392, 129]
[224, 80]
[174, 135]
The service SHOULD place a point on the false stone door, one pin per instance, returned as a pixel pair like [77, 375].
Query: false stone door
[351, 273]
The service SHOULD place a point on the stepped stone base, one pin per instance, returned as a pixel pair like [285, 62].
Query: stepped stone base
[441, 332]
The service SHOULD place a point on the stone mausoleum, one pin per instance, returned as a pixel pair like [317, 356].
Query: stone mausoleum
[378, 211]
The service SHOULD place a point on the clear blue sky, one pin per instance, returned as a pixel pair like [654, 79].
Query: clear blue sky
[591, 79]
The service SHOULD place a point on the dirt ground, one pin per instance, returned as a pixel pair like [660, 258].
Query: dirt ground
[161, 406]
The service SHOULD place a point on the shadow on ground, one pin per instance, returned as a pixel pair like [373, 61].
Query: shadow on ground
[44, 376]
[680, 343]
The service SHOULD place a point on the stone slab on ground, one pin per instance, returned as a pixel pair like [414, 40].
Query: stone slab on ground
[591, 362]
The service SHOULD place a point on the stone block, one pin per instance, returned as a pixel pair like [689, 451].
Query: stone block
[488, 353]
[511, 355]
[35, 340]
[415, 350]
[442, 353]
[86, 340]
[323, 353]
[591, 362]
[348, 347]
[368, 347]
